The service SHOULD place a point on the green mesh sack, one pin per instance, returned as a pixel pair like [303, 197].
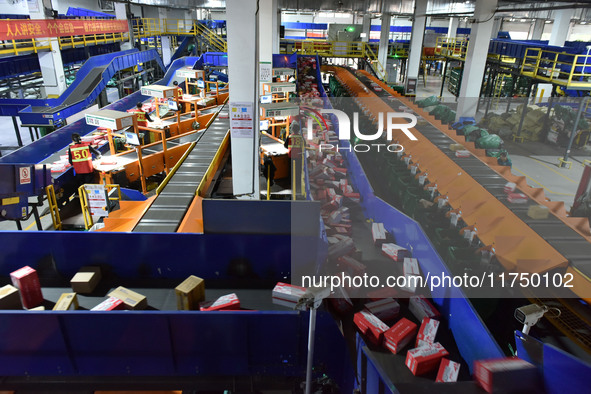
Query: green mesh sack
[491, 141]
[429, 101]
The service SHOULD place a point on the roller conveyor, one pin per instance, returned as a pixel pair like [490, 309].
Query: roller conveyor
[169, 208]
[561, 237]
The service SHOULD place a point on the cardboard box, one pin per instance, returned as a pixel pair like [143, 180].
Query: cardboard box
[38, 308]
[27, 281]
[463, 153]
[370, 326]
[411, 267]
[395, 252]
[505, 374]
[66, 302]
[190, 293]
[448, 371]
[509, 187]
[538, 212]
[427, 332]
[517, 198]
[86, 280]
[456, 147]
[228, 302]
[400, 335]
[378, 233]
[420, 307]
[425, 358]
[10, 298]
[131, 299]
[352, 266]
[110, 304]
[287, 295]
[386, 309]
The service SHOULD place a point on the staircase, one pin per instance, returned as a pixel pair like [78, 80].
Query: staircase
[210, 38]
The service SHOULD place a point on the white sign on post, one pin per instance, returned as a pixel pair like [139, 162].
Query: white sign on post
[266, 71]
[24, 175]
[98, 202]
[241, 120]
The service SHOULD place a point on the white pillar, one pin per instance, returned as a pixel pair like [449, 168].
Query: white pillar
[188, 14]
[384, 39]
[538, 29]
[497, 25]
[477, 54]
[453, 27]
[242, 43]
[267, 8]
[416, 39]
[561, 26]
[276, 27]
[366, 27]
[52, 66]
[121, 13]
[164, 40]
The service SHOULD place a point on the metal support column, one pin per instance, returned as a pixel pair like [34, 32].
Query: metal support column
[443, 79]
[17, 131]
[573, 133]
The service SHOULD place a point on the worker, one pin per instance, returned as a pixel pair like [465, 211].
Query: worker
[142, 117]
[294, 142]
[503, 160]
[179, 89]
[80, 157]
[269, 169]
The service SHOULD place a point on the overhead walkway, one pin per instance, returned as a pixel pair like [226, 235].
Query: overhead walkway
[151, 27]
[91, 80]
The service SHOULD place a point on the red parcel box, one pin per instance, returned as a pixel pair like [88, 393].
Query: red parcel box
[420, 307]
[400, 335]
[27, 281]
[229, 302]
[385, 310]
[287, 295]
[370, 326]
[424, 359]
[427, 332]
[110, 304]
[506, 374]
[448, 371]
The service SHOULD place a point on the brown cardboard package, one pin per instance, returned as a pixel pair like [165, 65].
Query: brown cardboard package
[10, 298]
[86, 280]
[190, 293]
[456, 147]
[538, 212]
[66, 302]
[131, 299]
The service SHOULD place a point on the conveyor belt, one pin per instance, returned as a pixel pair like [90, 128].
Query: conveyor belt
[167, 211]
[561, 237]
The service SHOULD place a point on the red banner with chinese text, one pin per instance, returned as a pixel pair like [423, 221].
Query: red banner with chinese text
[25, 29]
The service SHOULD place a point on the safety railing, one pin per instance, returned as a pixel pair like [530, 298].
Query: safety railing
[150, 27]
[85, 203]
[53, 207]
[16, 47]
[451, 47]
[560, 68]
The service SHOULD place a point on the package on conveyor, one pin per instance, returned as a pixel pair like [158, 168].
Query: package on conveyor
[538, 212]
[370, 326]
[427, 332]
[399, 335]
[386, 309]
[448, 371]
[66, 302]
[10, 298]
[86, 279]
[463, 153]
[352, 266]
[420, 307]
[110, 304]
[60, 165]
[27, 282]
[379, 234]
[410, 268]
[340, 301]
[425, 359]
[190, 293]
[287, 295]
[502, 375]
[395, 252]
[229, 302]
[343, 247]
[131, 299]
[509, 187]
[517, 198]
[456, 147]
